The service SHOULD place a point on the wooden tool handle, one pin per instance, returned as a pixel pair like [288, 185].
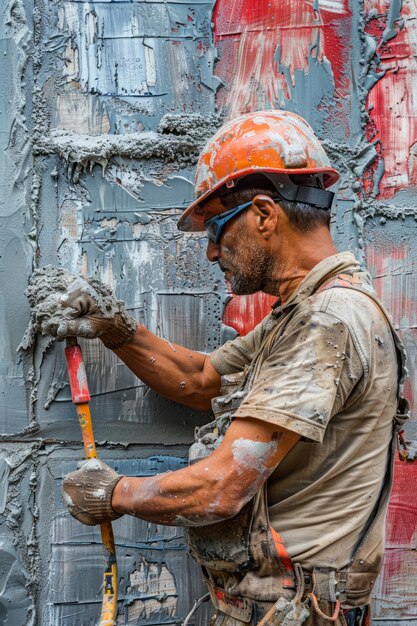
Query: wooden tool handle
[81, 397]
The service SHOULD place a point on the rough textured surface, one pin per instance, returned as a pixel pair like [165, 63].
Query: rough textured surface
[154, 582]
[86, 83]
[178, 140]
[49, 294]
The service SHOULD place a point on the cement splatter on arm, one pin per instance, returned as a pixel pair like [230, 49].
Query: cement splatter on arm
[175, 372]
[213, 489]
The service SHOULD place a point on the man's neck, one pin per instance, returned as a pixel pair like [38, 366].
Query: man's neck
[295, 259]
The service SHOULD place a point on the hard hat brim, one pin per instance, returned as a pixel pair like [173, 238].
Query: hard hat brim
[194, 216]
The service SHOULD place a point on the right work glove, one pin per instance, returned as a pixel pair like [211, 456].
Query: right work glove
[65, 305]
[88, 491]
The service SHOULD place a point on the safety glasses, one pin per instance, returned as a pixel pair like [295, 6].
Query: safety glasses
[215, 225]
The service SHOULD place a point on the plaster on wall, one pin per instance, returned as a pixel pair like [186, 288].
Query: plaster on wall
[134, 88]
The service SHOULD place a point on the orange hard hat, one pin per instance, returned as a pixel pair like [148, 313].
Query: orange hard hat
[270, 142]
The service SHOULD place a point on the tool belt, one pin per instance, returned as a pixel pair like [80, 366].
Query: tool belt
[249, 573]
[316, 592]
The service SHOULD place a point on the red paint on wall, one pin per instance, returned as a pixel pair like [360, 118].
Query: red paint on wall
[391, 102]
[396, 592]
[394, 269]
[244, 312]
[402, 514]
[254, 38]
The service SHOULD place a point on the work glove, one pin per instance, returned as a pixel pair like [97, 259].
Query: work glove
[65, 305]
[87, 492]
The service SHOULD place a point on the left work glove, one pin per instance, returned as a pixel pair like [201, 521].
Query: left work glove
[66, 305]
[88, 491]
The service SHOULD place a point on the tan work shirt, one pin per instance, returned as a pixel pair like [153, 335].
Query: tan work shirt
[331, 376]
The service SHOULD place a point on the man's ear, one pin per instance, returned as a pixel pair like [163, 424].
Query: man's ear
[265, 212]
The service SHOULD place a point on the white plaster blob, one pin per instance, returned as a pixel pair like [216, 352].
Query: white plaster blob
[67, 499]
[92, 465]
[99, 494]
[150, 65]
[340, 7]
[253, 454]
[153, 591]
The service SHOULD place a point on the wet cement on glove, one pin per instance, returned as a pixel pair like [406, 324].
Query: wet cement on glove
[47, 292]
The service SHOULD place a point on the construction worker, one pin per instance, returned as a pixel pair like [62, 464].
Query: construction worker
[284, 500]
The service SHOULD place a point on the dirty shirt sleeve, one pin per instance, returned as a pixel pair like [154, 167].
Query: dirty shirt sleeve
[234, 355]
[307, 376]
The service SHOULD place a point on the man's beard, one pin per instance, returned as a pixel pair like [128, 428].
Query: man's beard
[250, 274]
[241, 285]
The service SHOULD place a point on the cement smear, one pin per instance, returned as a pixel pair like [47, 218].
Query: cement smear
[178, 139]
[15, 606]
[162, 275]
[51, 293]
[253, 454]
[18, 558]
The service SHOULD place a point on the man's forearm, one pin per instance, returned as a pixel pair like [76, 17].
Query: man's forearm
[198, 495]
[175, 372]
[211, 490]
[155, 500]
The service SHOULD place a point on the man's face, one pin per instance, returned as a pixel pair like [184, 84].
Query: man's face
[240, 255]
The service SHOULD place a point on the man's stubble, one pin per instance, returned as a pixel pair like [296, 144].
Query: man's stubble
[248, 265]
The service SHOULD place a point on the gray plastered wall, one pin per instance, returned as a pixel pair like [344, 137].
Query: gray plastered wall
[87, 86]
[104, 108]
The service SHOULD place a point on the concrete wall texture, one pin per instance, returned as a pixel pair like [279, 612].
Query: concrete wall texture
[104, 108]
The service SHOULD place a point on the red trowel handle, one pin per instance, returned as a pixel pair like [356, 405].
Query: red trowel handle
[76, 372]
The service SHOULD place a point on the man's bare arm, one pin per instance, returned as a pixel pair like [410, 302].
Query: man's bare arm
[175, 372]
[213, 489]
[78, 306]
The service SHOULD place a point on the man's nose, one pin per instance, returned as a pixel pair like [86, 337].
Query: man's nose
[212, 251]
